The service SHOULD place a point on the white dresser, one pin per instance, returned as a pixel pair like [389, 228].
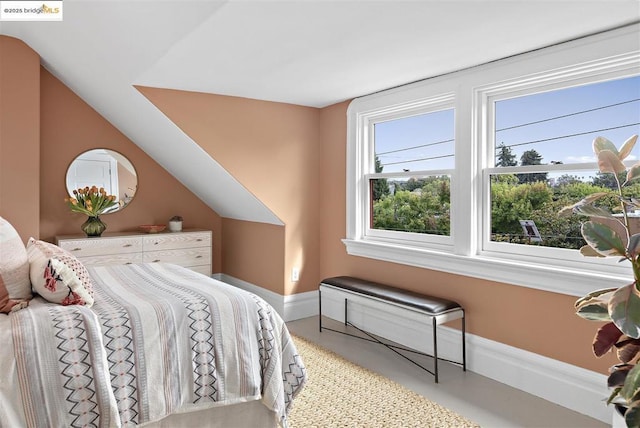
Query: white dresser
[189, 248]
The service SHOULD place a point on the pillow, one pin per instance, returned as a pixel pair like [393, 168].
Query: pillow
[15, 287]
[57, 275]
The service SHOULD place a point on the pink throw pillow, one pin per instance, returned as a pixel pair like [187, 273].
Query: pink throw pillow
[57, 275]
[15, 287]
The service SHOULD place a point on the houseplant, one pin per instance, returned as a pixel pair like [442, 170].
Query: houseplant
[175, 223]
[92, 202]
[608, 235]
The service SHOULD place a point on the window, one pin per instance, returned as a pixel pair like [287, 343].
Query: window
[484, 203]
[410, 174]
[553, 132]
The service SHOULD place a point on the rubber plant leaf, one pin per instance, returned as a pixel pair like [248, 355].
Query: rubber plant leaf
[603, 239]
[627, 147]
[627, 350]
[570, 209]
[613, 395]
[633, 173]
[632, 415]
[624, 309]
[592, 211]
[601, 143]
[595, 305]
[634, 245]
[606, 337]
[631, 384]
[618, 375]
[588, 251]
[594, 312]
[608, 161]
[603, 295]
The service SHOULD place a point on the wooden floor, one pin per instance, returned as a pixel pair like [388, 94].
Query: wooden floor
[482, 400]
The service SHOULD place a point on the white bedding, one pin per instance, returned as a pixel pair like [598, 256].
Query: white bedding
[159, 340]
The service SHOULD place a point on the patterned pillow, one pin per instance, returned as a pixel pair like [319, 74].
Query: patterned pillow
[15, 287]
[57, 275]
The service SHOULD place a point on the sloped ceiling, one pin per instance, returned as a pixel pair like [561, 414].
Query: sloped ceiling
[312, 53]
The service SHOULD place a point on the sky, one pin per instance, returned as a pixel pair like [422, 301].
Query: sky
[589, 110]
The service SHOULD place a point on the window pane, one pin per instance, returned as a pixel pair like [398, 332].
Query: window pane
[420, 205]
[557, 128]
[560, 126]
[521, 200]
[416, 143]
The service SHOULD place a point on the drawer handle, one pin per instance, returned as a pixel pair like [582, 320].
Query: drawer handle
[127, 245]
[128, 263]
[198, 257]
[156, 261]
[77, 249]
[199, 239]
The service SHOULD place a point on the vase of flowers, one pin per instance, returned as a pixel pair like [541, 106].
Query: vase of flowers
[92, 201]
[175, 223]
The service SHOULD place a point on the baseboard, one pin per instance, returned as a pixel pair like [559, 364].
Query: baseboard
[290, 308]
[575, 388]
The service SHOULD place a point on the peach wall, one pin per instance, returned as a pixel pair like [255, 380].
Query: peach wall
[273, 150]
[537, 321]
[253, 252]
[69, 127]
[19, 136]
[127, 181]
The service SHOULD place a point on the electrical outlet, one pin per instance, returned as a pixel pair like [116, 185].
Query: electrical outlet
[295, 274]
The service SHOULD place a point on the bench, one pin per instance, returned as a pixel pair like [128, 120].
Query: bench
[435, 309]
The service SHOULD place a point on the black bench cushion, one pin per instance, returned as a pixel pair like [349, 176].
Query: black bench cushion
[428, 304]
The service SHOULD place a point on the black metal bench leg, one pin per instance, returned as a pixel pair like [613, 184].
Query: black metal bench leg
[320, 310]
[435, 349]
[345, 311]
[464, 343]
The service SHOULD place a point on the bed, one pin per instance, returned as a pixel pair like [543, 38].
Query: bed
[160, 346]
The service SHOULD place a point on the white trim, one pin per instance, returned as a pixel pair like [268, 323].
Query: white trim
[300, 305]
[611, 54]
[572, 387]
[274, 299]
[292, 307]
[571, 282]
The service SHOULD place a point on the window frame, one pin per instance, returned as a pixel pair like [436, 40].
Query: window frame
[426, 105]
[598, 71]
[613, 54]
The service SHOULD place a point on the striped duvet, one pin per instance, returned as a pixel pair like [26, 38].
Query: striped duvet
[159, 339]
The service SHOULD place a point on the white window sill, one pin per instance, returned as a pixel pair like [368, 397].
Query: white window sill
[556, 279]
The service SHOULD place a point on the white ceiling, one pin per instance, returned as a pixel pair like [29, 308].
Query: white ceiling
[306, 52]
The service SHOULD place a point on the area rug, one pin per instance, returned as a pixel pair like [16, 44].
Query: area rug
[339, 393]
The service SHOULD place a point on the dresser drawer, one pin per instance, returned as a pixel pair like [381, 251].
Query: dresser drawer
[112, 259]
[203, 269]
[97, 247]
[178, 240]
[184, 257]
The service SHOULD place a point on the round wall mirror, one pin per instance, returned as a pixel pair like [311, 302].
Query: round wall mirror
[104, 168]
